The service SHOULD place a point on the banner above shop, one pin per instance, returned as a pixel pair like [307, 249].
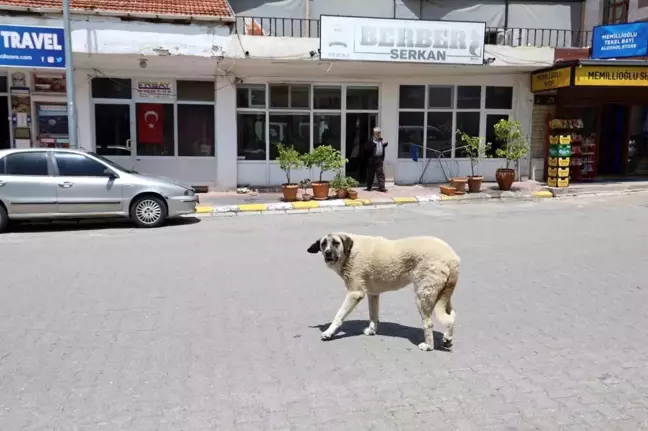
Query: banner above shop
[611, 76]
[404, 41]
[620, 41]
[550, 79]
[32, 47]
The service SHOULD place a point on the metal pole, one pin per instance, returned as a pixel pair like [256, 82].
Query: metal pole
[69, 76]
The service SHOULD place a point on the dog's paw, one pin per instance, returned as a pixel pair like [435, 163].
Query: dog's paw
[326, 335]
[447, 342]
[369, 330]
[425, 347]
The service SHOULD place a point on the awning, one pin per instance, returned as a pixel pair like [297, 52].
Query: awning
[591, 73]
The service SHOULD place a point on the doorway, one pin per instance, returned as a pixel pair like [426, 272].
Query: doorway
[359, 128]
[113, 132]
[613, 143]
[5, 134]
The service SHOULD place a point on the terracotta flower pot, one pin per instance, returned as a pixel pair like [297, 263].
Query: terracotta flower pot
[289, 192]
[342, 193]
[459, 184]
[321, 190]
[474, 184]
[447, 190]
[306, 197]
[505, 178]
[353, 194]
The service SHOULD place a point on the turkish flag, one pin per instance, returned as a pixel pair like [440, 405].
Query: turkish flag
[150, 122]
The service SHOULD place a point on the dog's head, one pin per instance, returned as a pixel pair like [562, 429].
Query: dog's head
[335, 247]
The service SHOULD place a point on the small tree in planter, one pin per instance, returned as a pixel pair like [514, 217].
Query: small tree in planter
[516, 147]
[326, 158]
[475, 151]
[305, 185]
[289, 160]
[351, 183]
[339, 184]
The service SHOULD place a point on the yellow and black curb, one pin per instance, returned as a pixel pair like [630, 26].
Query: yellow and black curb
[357, 204]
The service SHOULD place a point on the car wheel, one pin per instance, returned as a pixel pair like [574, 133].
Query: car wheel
[148, 211]
[4, 219]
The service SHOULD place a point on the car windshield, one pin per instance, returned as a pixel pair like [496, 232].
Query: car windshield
[113, 164]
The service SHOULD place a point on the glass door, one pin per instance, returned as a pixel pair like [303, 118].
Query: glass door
[113, 132]
[359, 128]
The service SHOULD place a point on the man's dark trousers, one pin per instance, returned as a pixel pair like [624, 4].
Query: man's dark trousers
[375, 168]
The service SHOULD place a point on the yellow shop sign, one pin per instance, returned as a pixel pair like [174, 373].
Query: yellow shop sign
[551, 79]
[606, 76]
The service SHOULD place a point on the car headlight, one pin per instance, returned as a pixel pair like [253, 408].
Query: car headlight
[189, 192]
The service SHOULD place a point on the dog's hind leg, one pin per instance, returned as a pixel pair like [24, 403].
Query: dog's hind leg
[443, 310]
[351, 300]
[374, 305]
[428, 284]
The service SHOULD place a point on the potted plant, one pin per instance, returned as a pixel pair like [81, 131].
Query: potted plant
[289, 160]
[473, 149]
[305, 185]
[339, 184]
[351, 183]
[325, 158]
[516, 147]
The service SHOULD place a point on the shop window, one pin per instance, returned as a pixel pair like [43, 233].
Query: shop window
[327, 97]
[112, 130]
[27, 164]
[289, 129]
[440, 97]
[196, 91]
[468, 122]
[499, 98]
[327, 130]
[3, 84]
[289, 96]
[491, 120]
[196, 130]
[410, 133]
[251, 142]
[362, 98]
[616, 12]
[469, 97]
[251, 96]
[49, 83]
[77, 165]
[439, 133]
[111, 88]
[412, 97]
[155, 129]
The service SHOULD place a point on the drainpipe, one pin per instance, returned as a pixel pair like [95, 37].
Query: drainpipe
[506, 13]
[69, 76]
[308, 17]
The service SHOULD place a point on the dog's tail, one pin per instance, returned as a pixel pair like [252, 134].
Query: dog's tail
[443, 310]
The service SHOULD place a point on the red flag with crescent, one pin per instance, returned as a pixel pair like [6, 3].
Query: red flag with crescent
[150, 122]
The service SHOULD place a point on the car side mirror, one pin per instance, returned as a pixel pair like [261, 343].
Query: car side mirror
[110, 173]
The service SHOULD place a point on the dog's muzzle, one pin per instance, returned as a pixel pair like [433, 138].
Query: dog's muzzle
[329, 257]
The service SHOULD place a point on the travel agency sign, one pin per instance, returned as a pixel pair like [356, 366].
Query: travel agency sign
[397, 40]
[32, 47]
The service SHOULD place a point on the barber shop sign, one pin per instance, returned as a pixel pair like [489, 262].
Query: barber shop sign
[407, 41]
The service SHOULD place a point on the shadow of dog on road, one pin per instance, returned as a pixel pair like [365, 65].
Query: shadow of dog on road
[354, 328]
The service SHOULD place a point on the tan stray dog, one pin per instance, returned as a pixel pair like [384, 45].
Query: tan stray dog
[371, 265]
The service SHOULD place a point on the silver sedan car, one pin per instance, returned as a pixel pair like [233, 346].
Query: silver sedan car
[40, 183]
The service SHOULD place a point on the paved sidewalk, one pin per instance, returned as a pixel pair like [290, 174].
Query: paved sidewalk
[257, 203]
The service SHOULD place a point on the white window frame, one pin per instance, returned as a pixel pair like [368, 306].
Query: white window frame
[134, 100]
[483, 113]
[311, 111]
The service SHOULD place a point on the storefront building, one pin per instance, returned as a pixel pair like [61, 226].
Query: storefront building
[323, 92]
[602, 104]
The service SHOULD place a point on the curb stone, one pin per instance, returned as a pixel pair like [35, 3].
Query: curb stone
[356, 204]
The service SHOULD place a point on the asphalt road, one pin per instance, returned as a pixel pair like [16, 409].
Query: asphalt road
[216, 325]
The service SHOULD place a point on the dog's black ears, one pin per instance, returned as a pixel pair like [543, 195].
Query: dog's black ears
[314, 248]
[347, 242]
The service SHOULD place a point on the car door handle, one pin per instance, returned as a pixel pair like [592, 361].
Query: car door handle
[66, 185]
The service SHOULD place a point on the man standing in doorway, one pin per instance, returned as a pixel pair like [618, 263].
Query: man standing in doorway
[375, 150]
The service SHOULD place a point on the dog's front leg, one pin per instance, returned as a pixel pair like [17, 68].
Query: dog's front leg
[351, 300]
[373, 315]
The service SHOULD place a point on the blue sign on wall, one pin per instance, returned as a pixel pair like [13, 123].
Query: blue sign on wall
[22, 46]
[620, 41]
